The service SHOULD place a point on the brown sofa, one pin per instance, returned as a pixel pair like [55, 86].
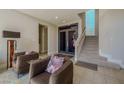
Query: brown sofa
[21, 60]
[38, 75]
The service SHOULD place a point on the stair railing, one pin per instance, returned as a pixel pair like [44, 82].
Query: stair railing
[79, 43]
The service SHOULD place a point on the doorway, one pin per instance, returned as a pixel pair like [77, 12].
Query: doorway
[43, 39]
[66, 41]
[11, 47]
[66, 38]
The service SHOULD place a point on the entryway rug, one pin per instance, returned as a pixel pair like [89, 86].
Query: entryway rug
[87, 65]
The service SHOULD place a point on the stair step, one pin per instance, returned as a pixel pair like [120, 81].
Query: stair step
[88, 39]
[110, 65]
[91, 45]
[98, 62]
[90, 49]
[93, 57]
[91, 40]
[90, 53]
[102, 63]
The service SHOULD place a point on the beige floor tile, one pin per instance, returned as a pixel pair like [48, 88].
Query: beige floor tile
[85, 76]
[81, 76]
[120, 75]
[101, 70]
[109, 71]
[121, 81]
[99, 78]
[102, 76]
[111, 80]
[86, 81]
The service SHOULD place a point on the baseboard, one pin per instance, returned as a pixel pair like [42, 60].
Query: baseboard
[103, 54]
[122, 65]
[116, 61]
[110, 59]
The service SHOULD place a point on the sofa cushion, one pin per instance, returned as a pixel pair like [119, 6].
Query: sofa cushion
[42, 78]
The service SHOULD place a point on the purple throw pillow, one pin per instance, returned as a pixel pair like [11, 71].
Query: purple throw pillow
[54, 64]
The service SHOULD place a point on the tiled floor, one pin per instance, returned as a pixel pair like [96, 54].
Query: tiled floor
[81, 76]
[101, 76]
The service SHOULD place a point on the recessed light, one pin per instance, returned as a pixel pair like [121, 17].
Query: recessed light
[56, 17]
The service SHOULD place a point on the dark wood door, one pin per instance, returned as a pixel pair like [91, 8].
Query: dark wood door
[11, 44]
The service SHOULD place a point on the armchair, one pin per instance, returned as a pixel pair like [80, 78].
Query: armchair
[38, 75]
[21, 64]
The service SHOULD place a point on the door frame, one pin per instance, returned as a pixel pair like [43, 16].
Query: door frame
[8, 50]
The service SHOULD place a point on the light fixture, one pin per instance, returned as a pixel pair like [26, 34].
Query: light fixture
[56, 17]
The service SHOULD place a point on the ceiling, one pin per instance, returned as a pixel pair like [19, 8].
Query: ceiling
[54, 16]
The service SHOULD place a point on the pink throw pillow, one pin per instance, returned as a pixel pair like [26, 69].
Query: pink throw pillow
[27, 52]
[54, 64]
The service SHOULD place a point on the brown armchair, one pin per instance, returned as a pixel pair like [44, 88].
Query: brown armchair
[38, 75]
[15, 58]
[21, 60]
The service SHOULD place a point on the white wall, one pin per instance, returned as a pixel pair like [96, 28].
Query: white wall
[28, 26]
[52, 40]
[111, 35]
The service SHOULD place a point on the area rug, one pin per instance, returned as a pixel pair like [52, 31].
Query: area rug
[10, 77]
[87, 65]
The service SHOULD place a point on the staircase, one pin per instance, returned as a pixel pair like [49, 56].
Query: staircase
[90, 53]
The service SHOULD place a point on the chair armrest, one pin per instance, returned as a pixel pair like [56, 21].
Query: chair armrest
[17, 54]
[29, 57]
[38, 67]
[63, 75]
[22, 64]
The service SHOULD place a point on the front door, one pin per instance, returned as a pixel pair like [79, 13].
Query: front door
[66, 41]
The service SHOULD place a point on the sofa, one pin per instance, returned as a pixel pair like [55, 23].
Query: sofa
[21, 60]
[38, 74]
